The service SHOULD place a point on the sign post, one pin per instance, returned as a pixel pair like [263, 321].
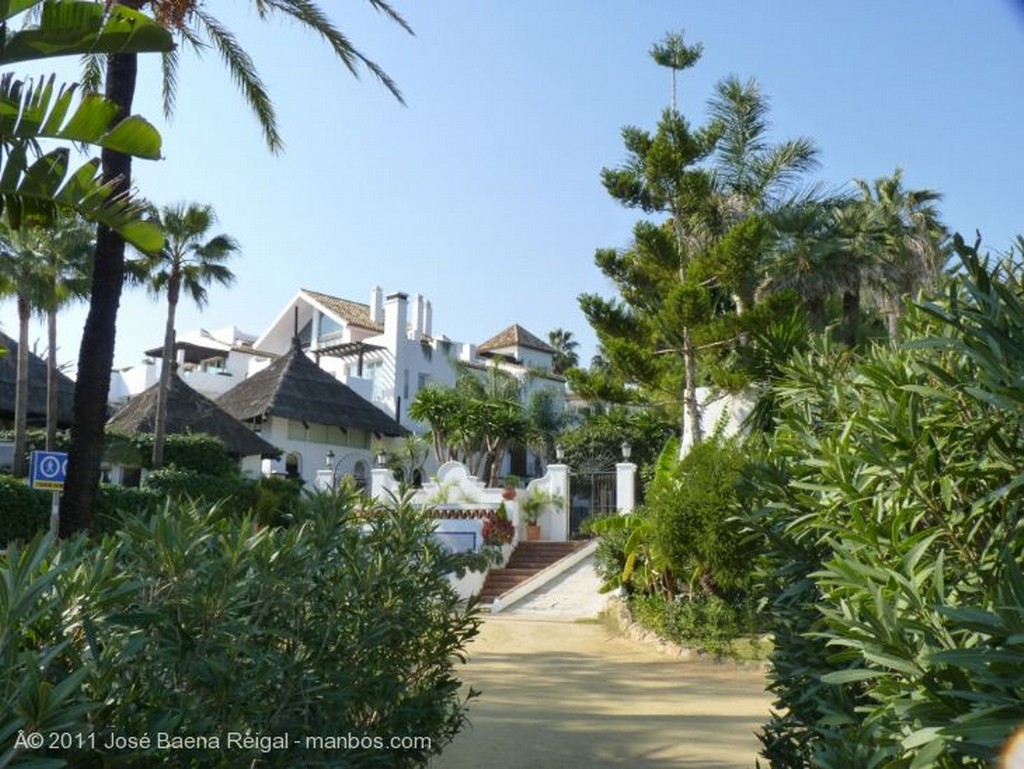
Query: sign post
[49, 468]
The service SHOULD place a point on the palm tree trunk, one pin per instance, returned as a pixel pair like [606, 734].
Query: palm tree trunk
[851, 315]
[166, 372]
[96, 354]
[21, 391]
[51, 379]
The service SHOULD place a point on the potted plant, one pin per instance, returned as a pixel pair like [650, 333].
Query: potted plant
[532, 504]
[511, 481]
[499, 532]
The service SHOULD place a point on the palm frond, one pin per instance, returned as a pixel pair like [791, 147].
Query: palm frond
[243, 72]
[309, 14]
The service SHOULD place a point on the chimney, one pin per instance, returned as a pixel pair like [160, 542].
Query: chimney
[428, 318]
[395, 315]
[468, 353]
[376, 305]
[417, 316]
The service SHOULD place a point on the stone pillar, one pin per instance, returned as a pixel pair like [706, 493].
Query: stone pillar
[625, 487]
[558, 485]
[382, 480]
[324, 480]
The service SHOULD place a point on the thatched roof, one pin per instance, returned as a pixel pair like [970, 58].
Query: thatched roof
[36, 387]
[294, 387]
[189, 411]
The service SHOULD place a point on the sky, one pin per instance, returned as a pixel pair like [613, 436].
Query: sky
[483, 193]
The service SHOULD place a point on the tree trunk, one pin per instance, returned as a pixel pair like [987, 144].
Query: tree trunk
[52, 404]
[851, 315]
[892, 319]
[814, 306]
[691, 432]
[166, 372]
[21, 391]
[96, 355]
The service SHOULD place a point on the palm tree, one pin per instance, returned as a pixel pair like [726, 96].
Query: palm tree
[808, 256]
[565, 346]
[15, 281]
[910, 243]
[191, 21]
[190, 260]
[65, 252]
[752, 178]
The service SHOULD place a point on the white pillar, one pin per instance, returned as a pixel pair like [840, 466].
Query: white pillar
[382, 480]
[558, 485]
[625, 487]
[324, 480]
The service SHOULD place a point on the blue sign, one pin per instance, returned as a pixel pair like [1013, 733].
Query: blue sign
[48, 470]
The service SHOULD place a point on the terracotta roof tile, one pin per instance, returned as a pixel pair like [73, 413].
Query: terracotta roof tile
[351, 312]
[515, 336]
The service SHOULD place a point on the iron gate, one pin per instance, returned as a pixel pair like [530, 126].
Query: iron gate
[592, 495]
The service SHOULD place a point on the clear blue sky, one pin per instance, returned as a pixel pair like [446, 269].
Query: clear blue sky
[484, 194]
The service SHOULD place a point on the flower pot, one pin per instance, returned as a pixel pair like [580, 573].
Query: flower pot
[532, 532]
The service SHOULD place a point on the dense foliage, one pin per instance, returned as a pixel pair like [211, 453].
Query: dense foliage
[25, 512]
[193, 623]
[892, 504]
[684, 561]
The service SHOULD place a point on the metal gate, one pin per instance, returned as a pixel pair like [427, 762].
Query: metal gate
[592, 495]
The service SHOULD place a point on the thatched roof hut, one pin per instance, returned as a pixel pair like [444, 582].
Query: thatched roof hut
[189, 411]
[36, 388]
[294, 387]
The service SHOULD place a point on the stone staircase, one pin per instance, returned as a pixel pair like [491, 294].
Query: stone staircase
[527, 559]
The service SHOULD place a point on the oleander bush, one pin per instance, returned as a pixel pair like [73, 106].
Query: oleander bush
[195, 622]
[891, 501]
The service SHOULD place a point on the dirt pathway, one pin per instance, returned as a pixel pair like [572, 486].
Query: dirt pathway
[568, 693]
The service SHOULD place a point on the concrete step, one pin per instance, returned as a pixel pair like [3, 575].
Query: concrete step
[527, 559]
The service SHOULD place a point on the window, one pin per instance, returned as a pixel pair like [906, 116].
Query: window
[359, 474]
[293, 465]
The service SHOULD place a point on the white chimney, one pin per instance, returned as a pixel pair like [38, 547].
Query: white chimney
[376, 304]
[428, 318]
[417, 316]
[395, 314]
[468, 353]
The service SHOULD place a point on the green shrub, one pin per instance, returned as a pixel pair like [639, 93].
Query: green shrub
[694, 502]
[114, 503]
[194, 622]
[892, 507]
[199, 452]
[24, 512]
[707, 623]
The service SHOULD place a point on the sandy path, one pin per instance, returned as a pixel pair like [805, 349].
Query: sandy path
[567, 693]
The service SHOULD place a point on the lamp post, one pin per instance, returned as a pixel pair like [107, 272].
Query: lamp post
[627, 451]
[559, 452]
[380, 459]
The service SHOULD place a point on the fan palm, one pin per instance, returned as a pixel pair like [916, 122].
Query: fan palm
[909, 240]
[565, 346]
[190, 260]
[193, 23]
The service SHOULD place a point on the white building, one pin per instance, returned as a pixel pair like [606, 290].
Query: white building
[385, 351]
